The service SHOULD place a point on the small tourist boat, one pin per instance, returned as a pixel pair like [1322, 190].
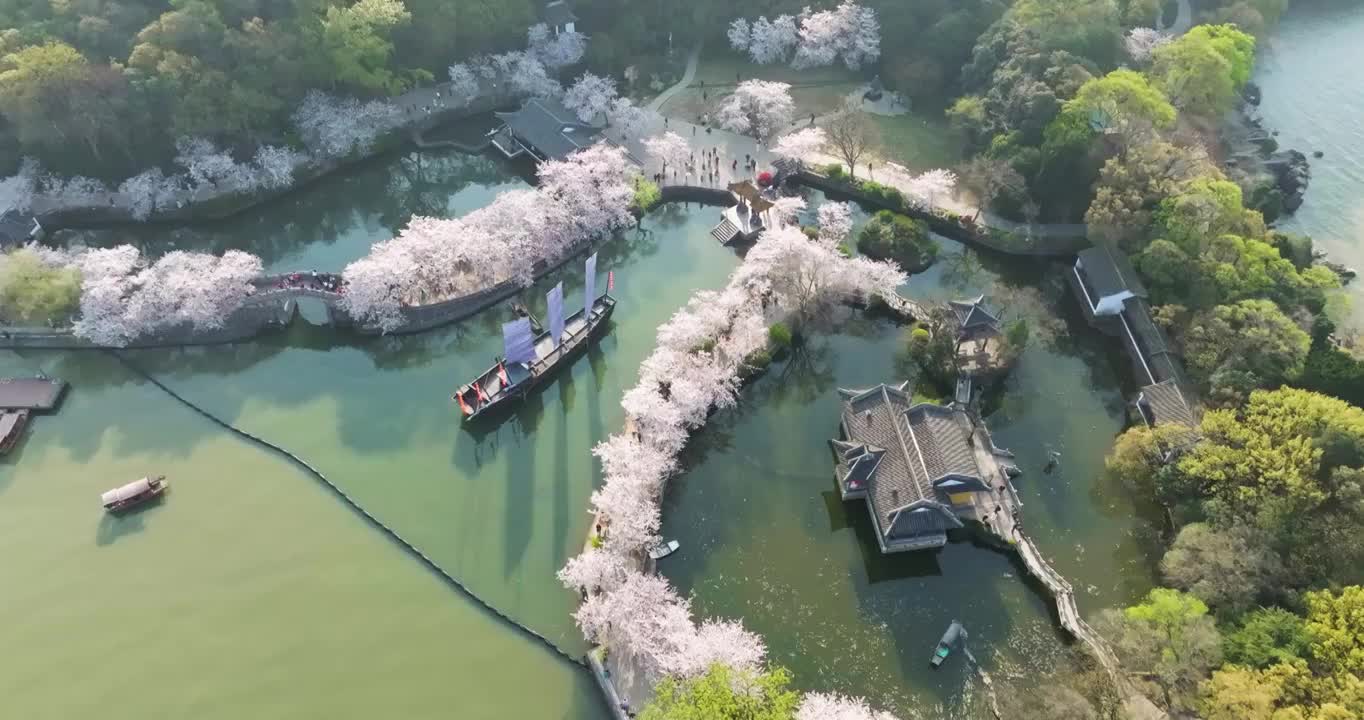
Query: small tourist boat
[531, 356]
[134, 493]
[11, 429]
[955, 633]
[664, 549]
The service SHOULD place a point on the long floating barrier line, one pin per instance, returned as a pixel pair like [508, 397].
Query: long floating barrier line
[349, 501]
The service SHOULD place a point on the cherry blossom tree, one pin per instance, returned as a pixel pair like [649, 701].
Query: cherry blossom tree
[740, 36]
[644, 620]
[205, 163]
[720, 641]
[275, 165]
[832, 706]
[759, 108]
[928, 188]
[77, 190]
[850, 32]
[787, 210]
[434, 259]
[122, 298]
[17, 190]
[670, 149]
[150, 190]
[629, 119]
[555, 50]
[1141, 43]
[590, 97]
[800, 144]
[595, 571]
[772, 41]
[835, 223]
[336, 127]
[464, 85]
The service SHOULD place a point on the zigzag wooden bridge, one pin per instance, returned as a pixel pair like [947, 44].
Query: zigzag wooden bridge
[1137, 705]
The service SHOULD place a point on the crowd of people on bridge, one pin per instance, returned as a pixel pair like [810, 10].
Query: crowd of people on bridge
[312, 280]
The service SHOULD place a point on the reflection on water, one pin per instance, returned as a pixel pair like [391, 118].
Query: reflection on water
[337, 219]
[764, 535]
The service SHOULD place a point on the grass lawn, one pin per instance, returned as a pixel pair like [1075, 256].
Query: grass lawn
[919, 143]
[718, 71]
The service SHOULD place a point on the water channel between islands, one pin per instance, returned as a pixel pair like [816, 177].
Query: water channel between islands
[251, 592]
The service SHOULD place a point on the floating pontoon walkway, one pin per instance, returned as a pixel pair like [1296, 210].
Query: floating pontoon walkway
[38, 393]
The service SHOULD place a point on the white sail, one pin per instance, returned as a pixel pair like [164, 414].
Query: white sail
[518, 343]
[590, 285]
[555, 298]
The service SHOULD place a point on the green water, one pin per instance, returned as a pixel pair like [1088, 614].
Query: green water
[765, 536]
[1314, 99]
[252, 592]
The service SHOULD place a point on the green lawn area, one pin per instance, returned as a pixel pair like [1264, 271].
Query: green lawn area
[718, 71]
[917, 142]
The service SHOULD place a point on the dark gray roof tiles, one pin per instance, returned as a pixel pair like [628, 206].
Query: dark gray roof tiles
[1164, 403]
[922, 443]
[558, 13]
[1107, 271]
[972, 313]
[549, 127]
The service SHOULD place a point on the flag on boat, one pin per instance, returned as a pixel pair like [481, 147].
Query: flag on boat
[590, 286]
[518, 344]
[610, 280]
[555, 298]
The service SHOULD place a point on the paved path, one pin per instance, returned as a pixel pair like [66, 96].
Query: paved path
[690, 73]
[1183, 19]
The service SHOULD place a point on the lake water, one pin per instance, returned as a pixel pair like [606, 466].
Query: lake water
[1314, 97]
[252, 592]
[765, 536]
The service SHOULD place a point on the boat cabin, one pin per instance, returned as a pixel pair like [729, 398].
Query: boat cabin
[134, 493]
[11, 429]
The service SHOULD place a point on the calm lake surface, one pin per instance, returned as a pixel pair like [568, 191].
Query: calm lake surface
[251, 592]
[1314, 97]
[765, 536]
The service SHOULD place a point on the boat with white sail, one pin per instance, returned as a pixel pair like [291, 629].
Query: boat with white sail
[530, 357]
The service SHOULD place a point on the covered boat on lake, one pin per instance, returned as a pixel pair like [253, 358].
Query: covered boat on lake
[955, 634]
[134, 493]
[530, 358]
[11, 429]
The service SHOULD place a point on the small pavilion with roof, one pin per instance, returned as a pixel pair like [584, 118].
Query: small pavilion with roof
[559, 16]
[744, 220]
[979, 342]
[921, 468]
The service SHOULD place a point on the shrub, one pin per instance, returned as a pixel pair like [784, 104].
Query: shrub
[704, 346]
[810, 231]
[919, 335]
[33, 292]
[758, 359]
[779, 335]
[647, 195]
[833, 171]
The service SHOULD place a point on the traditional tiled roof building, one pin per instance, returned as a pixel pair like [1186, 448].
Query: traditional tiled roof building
[915, 464]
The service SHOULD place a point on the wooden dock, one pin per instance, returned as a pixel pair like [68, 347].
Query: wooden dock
[37, 394]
